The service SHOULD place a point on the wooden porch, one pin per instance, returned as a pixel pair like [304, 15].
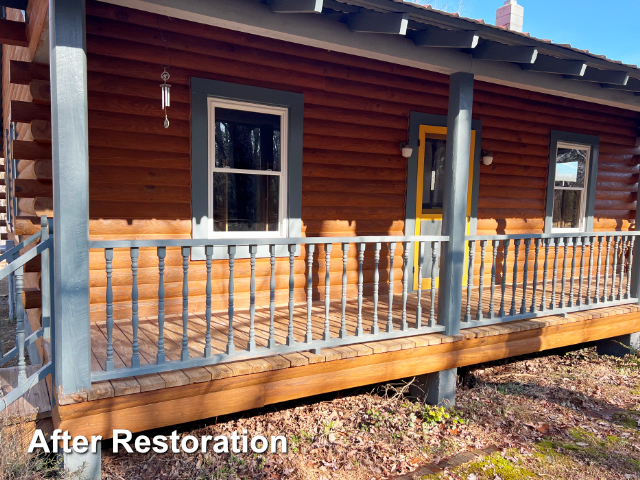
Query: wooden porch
[157, 400]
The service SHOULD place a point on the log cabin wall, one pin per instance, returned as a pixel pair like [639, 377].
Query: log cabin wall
[354, 178]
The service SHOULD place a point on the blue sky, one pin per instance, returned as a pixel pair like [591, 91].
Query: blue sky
[608, 28]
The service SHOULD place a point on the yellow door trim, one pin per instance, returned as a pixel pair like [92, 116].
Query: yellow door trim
[428, 131]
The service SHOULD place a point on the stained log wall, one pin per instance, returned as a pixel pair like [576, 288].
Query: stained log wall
[354, 178]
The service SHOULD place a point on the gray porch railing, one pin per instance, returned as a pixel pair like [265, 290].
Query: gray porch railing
[16, 266]
[597, 274]
[382, 326]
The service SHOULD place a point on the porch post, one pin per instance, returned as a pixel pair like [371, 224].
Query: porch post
[69, 138]
[454, 207]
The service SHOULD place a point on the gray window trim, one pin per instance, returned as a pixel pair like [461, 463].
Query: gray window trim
[201, 90]
[582, 139]
[415, 120]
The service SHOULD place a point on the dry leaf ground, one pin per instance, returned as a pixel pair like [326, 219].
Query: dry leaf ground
[566, 416]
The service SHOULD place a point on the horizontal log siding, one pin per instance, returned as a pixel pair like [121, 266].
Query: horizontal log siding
[356, 114]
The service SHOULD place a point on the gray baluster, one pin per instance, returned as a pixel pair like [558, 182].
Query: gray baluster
[392, 250]
[184, 354]
[515, 278]
[545, 271]
[272, 297]
[563, 286]
[612, 295]
[343, 320]
[606, 268]
[420, 264]
[535, 276]
[505, 254]
[574, 246]
[292, 258]
[492, 312]
[628, 292]
[472, 248]
[208, 252]
[527, 245]
[623, 255]
[483, 244]
[135, 347]
[311, 248]
[596, 297]
[361, 247]
[162, 253]
[251, 344]
[554, 282]
[583, 241]
[376, 280]
[405, 285]
[590, 274]
[327, 286]
[108, 256]
[435, 248]
[20, 336]
[231, 348]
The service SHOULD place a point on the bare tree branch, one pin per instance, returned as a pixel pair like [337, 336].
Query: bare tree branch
[451, 6]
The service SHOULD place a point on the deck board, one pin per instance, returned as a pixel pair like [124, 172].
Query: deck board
[173, 333]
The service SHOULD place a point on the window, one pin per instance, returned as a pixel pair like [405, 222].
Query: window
[571, 183]
[247, 169]
[435, 151]
[246, 165]
[570, 187]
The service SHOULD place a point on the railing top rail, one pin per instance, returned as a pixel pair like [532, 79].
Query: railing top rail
[16, 249]
[262, 241]
[23, 259]
[524, 236]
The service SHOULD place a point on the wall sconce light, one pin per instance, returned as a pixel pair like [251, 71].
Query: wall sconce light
[407, 151]
[487, 157]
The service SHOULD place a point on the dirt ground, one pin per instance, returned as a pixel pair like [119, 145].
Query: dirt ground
[566, 416]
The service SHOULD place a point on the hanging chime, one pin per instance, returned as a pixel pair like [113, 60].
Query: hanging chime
[166, 97]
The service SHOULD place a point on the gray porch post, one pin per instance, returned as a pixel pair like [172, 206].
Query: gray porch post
[440, 388]
[69, 138]
[70, 148]
[454, 208]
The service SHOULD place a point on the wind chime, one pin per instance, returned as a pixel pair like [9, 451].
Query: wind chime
[166, 96]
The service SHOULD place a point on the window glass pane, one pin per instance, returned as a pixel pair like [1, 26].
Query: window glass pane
[247, 140]
[245, 203]
[435, 151]
[566, 208]
[571, 167]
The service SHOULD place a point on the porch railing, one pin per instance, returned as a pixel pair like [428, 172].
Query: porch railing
[17, 267]
[412, 319]
[513, 277]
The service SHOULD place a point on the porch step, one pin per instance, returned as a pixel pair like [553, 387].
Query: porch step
[33, 405]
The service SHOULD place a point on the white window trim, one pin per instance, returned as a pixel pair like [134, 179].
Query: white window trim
[583, 197]
[283, 113]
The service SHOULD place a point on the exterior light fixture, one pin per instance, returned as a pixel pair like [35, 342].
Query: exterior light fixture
[487, 157]
[407, 151]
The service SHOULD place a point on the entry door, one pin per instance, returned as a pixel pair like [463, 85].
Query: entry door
[430, 191]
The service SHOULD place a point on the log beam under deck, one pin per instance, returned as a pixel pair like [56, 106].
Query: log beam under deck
[170, 406]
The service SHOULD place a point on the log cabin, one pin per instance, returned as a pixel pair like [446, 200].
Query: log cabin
[436, 192]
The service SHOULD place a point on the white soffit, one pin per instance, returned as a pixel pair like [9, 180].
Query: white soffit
[314, 30]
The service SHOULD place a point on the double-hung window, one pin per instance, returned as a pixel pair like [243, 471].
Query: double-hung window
[571, 184]
[247, 169]
[246, 165]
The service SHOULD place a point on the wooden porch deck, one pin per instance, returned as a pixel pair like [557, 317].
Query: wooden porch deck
[158, 400]
[148, 326]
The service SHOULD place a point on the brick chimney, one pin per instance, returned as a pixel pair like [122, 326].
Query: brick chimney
[510, 15]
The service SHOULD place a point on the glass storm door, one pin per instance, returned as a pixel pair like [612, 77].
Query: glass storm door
[430, 193]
